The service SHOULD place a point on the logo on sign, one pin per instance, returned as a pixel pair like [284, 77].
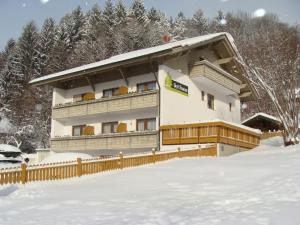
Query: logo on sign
[176, 86]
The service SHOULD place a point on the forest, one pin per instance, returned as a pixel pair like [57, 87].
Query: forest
[266, 44]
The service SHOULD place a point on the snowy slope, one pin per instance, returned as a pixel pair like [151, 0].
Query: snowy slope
[256, 187]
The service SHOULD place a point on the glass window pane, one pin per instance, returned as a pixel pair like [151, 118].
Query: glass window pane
[107, 93]
[151, 124]
[151, 86]
[115, 91]
[77, 131]
[140, 87]
[115, 127]
[140, 125]
[106, 129]
[77, 98]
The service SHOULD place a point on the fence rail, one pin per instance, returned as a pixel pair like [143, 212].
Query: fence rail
[64, 170]
[266, 135]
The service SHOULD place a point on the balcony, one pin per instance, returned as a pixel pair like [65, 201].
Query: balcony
[126, 102]
[210, 132]
[129, 140]
[206, 72]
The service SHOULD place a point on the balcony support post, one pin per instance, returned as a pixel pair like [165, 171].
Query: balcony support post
[90, 83]
[123, 76]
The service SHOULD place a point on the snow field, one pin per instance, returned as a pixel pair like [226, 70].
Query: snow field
[256, 187]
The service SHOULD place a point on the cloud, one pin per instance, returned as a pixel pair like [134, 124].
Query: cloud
[44, 1]
[223, 0]
[259, 12]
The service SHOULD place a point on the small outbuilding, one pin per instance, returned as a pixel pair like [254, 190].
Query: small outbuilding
[264, 122]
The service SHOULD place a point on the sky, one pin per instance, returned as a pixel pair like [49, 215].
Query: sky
[14, 14]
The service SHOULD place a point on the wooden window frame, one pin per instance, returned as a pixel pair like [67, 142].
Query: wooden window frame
[209, 97]
[111, 127]
[145, 123]
[81, 129]
[110, 89]
[145, 83]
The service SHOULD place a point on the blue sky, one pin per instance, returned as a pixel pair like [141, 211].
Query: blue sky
[14, 14]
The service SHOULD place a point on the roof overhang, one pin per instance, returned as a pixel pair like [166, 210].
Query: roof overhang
[149, 55]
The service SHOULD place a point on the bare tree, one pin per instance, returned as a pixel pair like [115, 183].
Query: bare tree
[281, 85]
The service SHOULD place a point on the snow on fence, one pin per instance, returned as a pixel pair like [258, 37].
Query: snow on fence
[64, 170]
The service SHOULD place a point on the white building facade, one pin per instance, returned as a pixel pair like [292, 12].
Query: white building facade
[121, 104]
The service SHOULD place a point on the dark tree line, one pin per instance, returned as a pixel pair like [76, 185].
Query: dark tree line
[81, 38]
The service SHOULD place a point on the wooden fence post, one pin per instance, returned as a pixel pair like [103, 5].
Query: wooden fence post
[79, 167]
[23, 173]
[153, 155]
[121, 160]
[179, 152]
[199, 150]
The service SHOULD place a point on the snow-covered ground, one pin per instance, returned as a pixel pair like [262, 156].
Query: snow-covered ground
[257, 187]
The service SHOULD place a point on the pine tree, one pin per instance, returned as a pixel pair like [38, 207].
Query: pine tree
[121, 14]
[46, 43]
[109, 24]
[199, 22]
[179, 27]
[138, 12]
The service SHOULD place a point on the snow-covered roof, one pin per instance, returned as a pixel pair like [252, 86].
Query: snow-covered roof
[196, 41]
[8, 148]
[261, 114]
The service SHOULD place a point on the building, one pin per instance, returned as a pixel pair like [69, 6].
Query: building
[131, 102]
[263, 122]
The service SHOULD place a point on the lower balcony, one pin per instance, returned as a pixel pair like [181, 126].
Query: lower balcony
[210, 132]
[115, 141]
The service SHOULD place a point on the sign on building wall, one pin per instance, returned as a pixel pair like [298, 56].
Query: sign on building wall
[176, 86]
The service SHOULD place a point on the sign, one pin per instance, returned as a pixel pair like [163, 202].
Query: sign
[176, 86]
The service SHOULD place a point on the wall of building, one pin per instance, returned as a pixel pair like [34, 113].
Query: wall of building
[61, 129]
[67, 95]
[227, 150]
[177, 108]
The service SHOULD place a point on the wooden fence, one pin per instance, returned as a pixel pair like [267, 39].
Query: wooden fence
[64, 170]
[266, 135]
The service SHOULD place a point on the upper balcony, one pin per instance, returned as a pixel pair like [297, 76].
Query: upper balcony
[208, 73]
[90, 108]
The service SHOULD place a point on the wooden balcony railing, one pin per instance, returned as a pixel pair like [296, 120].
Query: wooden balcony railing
[129, 140]
[129, 101]
[210, 132]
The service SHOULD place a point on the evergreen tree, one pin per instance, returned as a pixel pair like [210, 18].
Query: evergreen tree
[199, 22]
[46, 43]
[179, 27]
[109, 24]
[121, 14]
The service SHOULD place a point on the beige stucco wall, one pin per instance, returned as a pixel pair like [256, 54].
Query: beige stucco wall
[227, 150]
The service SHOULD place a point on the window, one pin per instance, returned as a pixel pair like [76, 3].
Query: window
[210, 101]
[146, 124]
[78, 130]
[110, 127]
[78, 98]
[110, 92]
[84, 97]
[147, 86]
[202, 95]
[230, 106]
